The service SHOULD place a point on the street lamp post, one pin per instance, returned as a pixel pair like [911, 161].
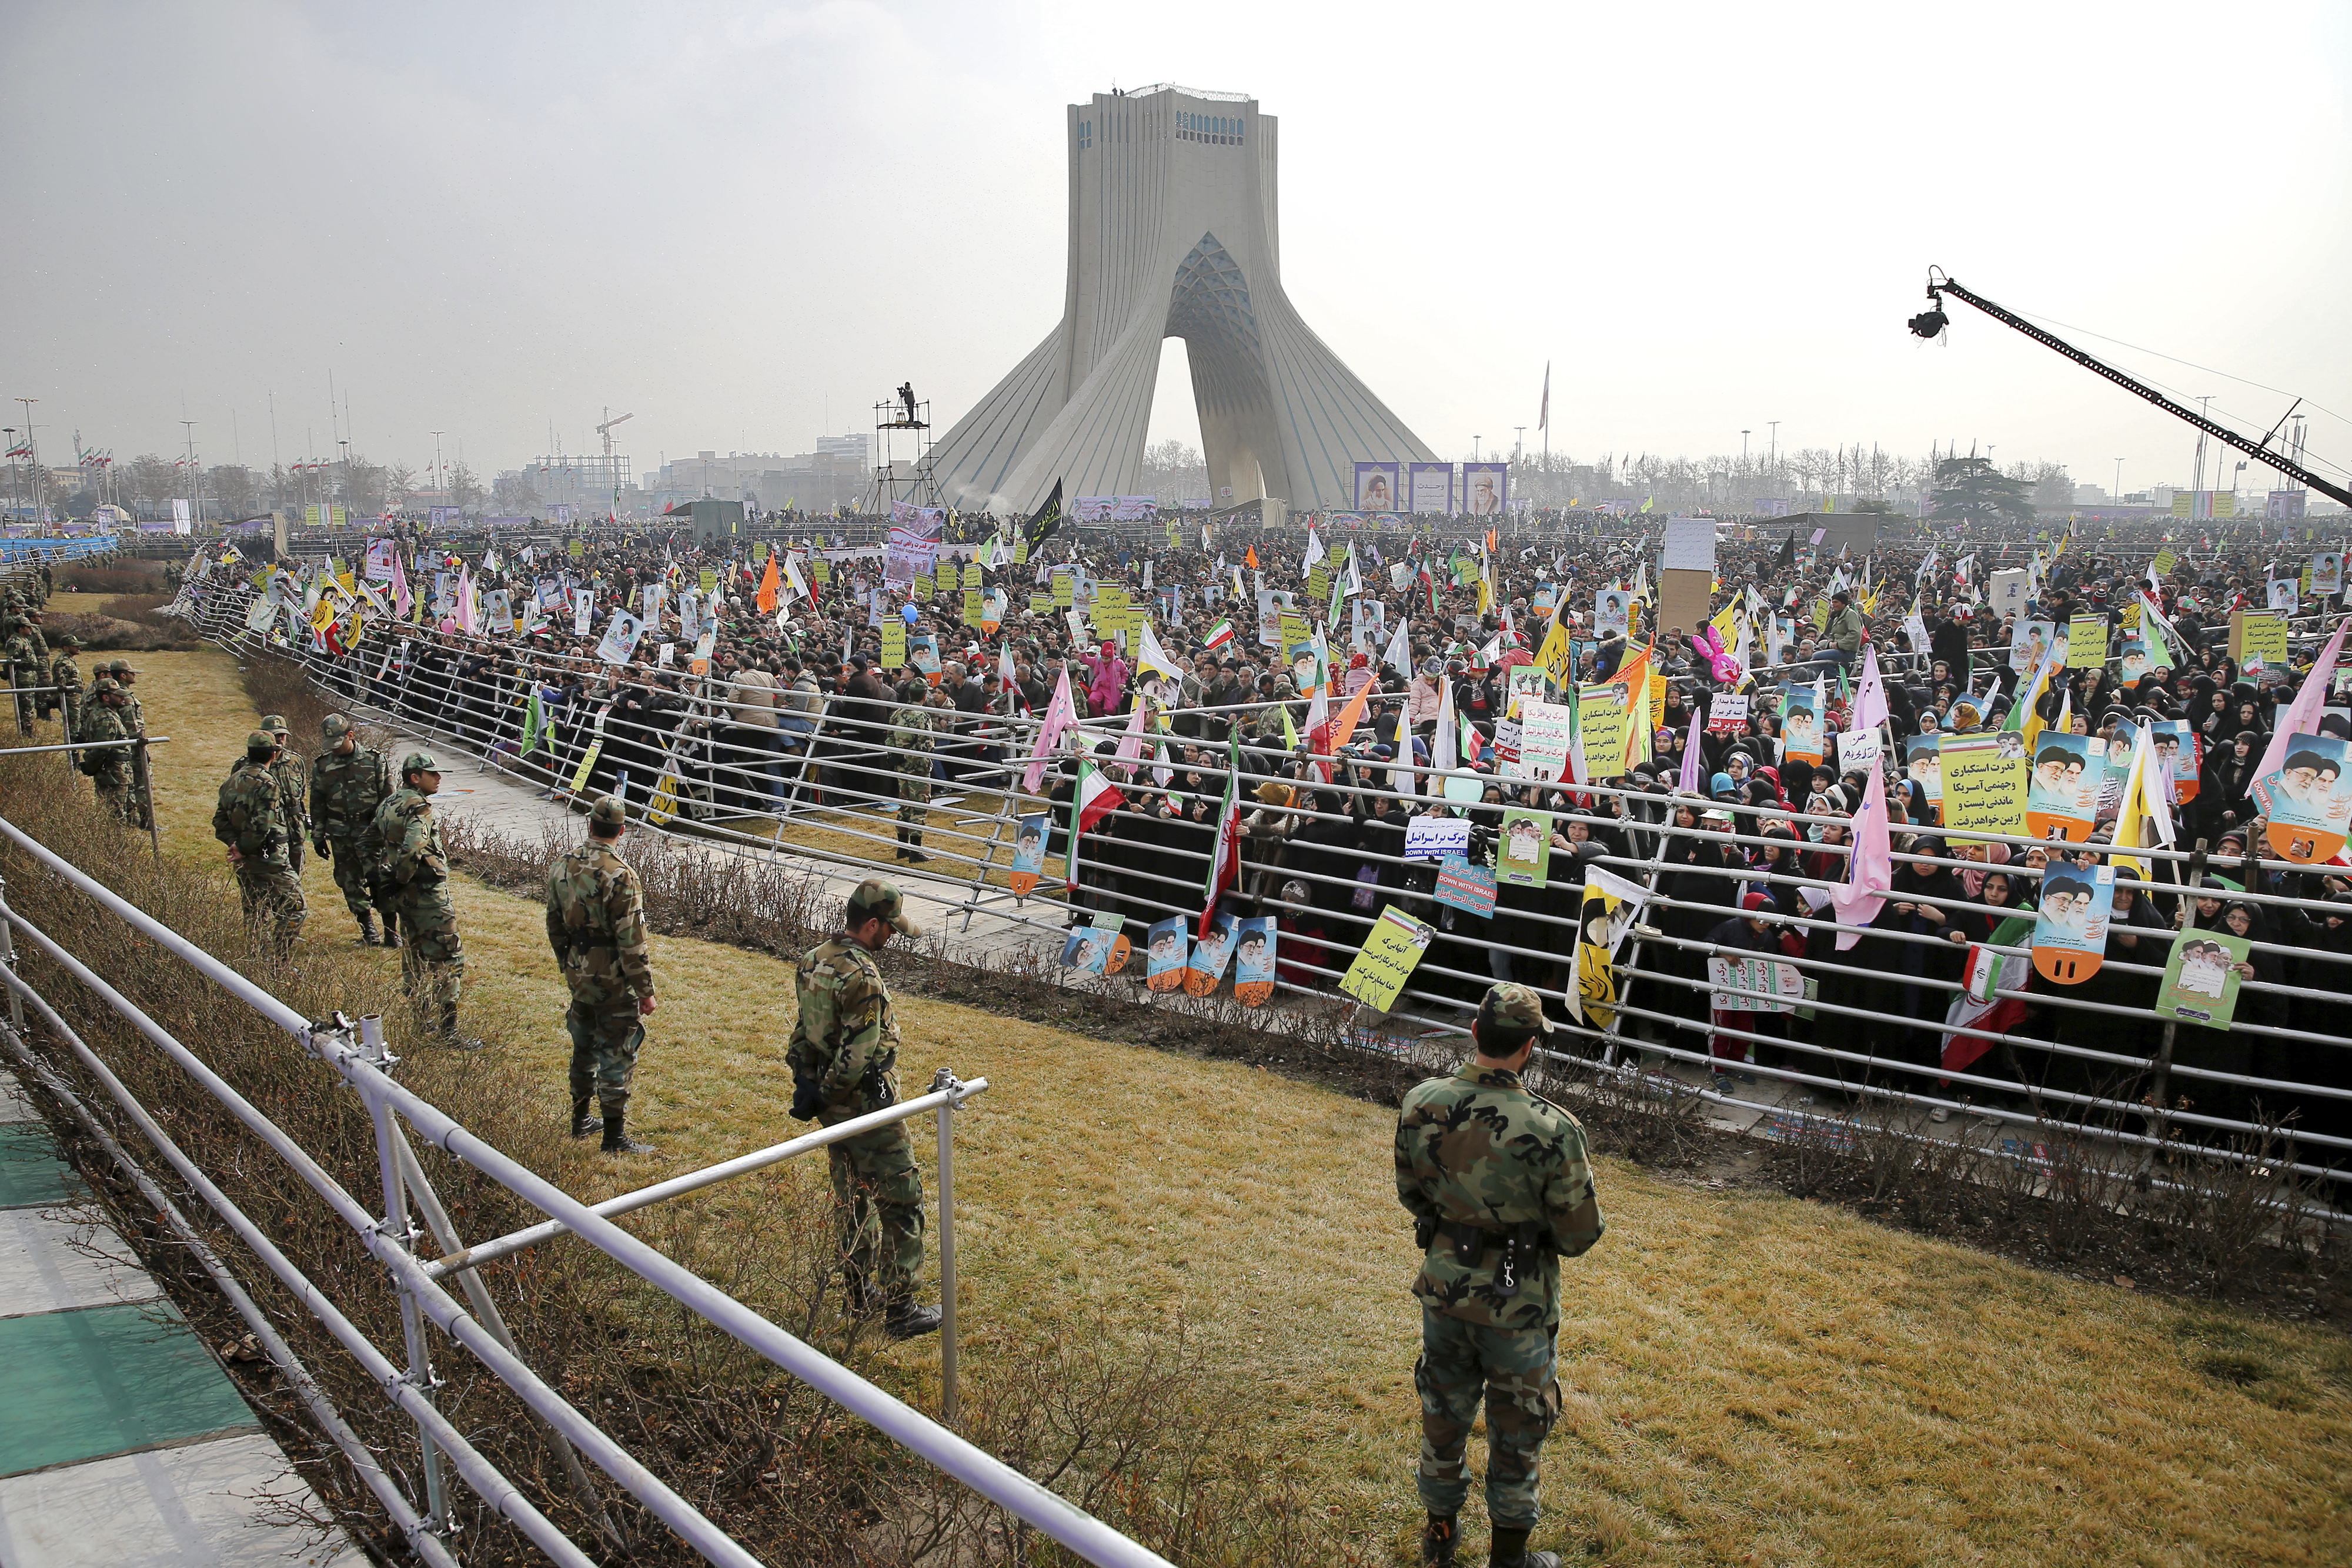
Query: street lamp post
[2119, 482]
[32, 459]
[194, 495]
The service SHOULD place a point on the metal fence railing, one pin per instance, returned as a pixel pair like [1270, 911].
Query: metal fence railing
[355, 1054]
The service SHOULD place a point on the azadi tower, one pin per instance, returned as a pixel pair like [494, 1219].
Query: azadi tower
[1173, 234]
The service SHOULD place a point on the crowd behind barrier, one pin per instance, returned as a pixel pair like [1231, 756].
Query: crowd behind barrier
[778, 713]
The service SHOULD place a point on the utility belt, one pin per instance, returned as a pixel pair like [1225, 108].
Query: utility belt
[1521, 1244]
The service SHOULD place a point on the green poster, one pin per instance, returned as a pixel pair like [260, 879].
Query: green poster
[2201, 977]
[1525, 858]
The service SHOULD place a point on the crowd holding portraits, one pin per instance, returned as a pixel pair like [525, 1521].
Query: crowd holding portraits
[783, 702]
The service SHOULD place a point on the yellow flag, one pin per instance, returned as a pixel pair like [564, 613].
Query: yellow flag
[1726, 624]
[1555, 656]
[663, 804]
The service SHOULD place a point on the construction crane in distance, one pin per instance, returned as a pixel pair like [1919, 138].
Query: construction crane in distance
[612, 511]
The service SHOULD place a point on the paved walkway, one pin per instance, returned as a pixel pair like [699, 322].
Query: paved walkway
[122, 1442]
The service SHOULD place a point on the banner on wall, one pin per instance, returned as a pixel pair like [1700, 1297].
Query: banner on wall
[1486, 490]
[1377, 487]
[1433, 487]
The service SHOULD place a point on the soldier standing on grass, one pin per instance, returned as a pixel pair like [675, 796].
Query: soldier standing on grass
[251, 821]
[912, 738]
[432, 959]
[109, 767]
[1500, 1190]
[844, 1059]
[293, 793]
[348, 783]
[596, 923]
[66, 675]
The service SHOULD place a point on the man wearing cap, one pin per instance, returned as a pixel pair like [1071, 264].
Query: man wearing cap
[347, 782]
[1843, 634]
[432, 959]
[126, 677]
[108, 768]
[293, 790]
[26, 663]
[596, 925]
[914, 732]
[1499, 1189]
[251, 819]
[66, 675]
[843, 1057]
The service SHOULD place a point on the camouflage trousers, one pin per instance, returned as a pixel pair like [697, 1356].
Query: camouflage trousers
[915, 795]
[604, 1043]
[432, 959]
[880, 1196]
[272, 897]
[356, 875]
[1510, 1369]
[115, 794]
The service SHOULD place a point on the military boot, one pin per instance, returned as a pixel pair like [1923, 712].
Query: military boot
[368, 937]
[904, 1320]
[1437, 1541]
[900, 852]
[391, 930]
[618, 1142]
[914, 845]
[449, 1035]
[584, 1126]
[1508, 1549]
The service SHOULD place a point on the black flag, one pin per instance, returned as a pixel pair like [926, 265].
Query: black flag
[1787, 550]
[1045, 520]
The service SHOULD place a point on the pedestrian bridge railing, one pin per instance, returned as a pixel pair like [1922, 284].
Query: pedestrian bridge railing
[386, 1226]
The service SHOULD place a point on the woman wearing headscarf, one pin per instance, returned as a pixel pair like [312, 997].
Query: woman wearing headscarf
[2225, 785]
[1920, 913]
[1692, 877]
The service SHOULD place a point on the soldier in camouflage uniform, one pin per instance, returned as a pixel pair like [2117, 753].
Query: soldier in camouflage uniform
[108, 768]
[432, 959]
[65, 675]
[844, 1057]
[251, 821]
[26, 663]
[1500, 1190]
[347, 782]
[913, 731]
[596, 923]
[293, 786]
[140, 791]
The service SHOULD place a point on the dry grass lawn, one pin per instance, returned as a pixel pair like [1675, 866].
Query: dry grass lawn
[1747, 1378]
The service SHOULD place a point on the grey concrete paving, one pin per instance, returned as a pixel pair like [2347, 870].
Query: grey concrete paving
[117, 1467]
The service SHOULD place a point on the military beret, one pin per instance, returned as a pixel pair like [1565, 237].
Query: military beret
[607, 812]
[276, 724]
[262, 741]
[335, 726]
[418, 762]
[878, 898]
[1513, 1006]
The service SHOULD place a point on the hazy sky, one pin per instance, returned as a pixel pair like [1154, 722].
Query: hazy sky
[729, 219]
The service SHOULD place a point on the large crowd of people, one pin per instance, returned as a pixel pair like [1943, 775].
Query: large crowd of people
[832, 682]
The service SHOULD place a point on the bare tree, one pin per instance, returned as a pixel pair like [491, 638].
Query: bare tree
[1175, 472]
[234, 486]
[464, 485]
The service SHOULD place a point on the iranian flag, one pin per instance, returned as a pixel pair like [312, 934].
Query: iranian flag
[1096, 797]
[1226, 865]
[1988, 974]
[1219, 635]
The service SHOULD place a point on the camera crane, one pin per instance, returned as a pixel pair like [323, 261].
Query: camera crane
[1930, 323]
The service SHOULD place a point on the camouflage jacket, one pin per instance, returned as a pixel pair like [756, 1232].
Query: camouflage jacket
[99, 722]
[410, 835]
[846, 1037]
[251, 815]
[27, 660]
[293, 792]
[911, 734]
[596, 925]
[64, 673]
[1480, 1160]
[346, 790]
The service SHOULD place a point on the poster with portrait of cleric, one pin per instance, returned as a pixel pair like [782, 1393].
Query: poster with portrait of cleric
[1377, 487]
[1433, 487]
[2307, 800]
[2062, 794]
[1485, 489]
[2070, 929]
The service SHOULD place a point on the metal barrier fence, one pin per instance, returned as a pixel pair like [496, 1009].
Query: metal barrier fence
[1874, 1024]
[356, 1054]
